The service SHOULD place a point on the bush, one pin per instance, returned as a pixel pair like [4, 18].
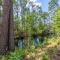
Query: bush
[45, 57]
[18, 54]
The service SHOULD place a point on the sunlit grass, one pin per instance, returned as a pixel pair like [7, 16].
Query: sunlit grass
[53, 42]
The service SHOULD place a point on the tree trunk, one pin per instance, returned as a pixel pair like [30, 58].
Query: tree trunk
[6, 38]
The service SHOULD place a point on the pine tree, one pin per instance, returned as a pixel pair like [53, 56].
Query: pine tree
[6, 38]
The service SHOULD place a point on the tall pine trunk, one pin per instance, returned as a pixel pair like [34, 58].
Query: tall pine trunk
[6, 38]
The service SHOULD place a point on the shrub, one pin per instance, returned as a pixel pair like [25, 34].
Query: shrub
[45, 57]
[18, 54]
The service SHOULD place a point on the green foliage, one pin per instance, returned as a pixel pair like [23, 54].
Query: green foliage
[16, 27]
[45, 57]
[14, 1]
[52, 4]
[44, 43]
[56, 19]
[0, 2]
[34, 22]
[18, 54]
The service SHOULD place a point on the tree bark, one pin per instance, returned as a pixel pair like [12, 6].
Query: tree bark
[6, 38]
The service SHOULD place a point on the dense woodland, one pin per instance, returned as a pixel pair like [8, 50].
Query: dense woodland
[27, 32]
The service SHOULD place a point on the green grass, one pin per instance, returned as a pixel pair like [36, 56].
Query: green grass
[16, 55]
